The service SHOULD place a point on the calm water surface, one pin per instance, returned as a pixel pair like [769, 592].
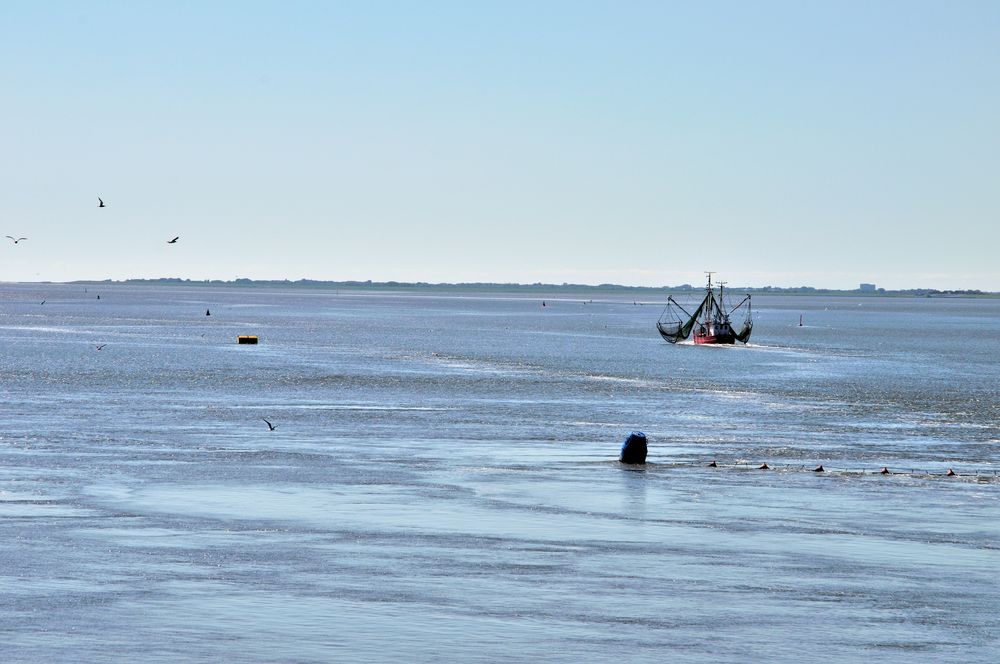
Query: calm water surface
[442, 483]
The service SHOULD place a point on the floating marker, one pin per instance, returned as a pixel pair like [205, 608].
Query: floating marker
[246, 339]
[634, 448]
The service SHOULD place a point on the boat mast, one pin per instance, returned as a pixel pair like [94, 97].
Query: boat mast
[722, 303]
[707, 314]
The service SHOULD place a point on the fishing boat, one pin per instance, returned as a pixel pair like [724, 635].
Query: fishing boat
[711, 321]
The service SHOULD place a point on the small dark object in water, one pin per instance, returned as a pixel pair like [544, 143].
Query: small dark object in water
[713, 465]
[246, 339]
[764, 466]
[207, 312]
[634, 448]
[270, 427]
[885, 471]
[951, 473]
[819, 469]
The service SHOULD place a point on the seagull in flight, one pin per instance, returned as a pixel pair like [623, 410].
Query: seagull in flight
[101, 346]
[16, 239]
[270, 427]
[174, 241]
[100, 203]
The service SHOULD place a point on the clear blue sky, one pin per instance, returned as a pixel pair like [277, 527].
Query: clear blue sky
[781, 143]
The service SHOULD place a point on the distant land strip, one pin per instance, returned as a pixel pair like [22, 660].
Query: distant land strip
[535, 287]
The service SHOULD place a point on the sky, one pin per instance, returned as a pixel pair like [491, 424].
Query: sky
[638, 143]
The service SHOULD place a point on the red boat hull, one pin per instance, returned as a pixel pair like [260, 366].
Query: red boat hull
[717, 333]
[715, 338]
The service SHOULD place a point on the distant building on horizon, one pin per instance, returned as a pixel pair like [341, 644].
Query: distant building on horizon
[867, 288]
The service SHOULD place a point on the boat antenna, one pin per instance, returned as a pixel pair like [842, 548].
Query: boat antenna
[709, 279]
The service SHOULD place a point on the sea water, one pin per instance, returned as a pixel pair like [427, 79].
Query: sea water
[442, 482]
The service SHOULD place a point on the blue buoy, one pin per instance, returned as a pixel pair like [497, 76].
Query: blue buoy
[634, 448]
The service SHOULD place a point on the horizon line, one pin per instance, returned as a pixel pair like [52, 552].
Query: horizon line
[367, 283]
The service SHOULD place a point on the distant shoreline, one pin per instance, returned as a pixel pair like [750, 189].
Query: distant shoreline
[524, 288]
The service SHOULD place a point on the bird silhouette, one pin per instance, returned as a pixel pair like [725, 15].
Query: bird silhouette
[100, 203]
[270, 427]
[101, 346]
[174, 240]
[16, 239]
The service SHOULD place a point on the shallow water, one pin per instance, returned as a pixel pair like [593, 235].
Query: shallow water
[442, 483]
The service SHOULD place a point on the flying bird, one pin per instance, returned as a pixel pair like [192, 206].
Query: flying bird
[174, 240]
[270, 427]
[16, 239]
[100, 203]
[101, 346]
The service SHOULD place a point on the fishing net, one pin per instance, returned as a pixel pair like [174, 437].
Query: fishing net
[675, 323]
